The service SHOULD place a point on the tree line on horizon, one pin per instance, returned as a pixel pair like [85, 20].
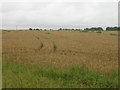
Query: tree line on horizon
[86, 29]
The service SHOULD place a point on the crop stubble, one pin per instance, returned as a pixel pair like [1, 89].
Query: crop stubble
[62, 49]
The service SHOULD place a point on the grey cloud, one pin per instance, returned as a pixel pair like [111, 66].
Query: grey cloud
[62, 14]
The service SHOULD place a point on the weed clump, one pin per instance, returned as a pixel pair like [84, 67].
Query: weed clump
[113, 34]
[84, 31]
[47, 33]
[7, 30]
[98, 32]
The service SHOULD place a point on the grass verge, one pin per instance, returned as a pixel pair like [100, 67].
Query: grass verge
[23, 76]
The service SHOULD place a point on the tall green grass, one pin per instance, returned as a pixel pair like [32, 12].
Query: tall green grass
[23, 76]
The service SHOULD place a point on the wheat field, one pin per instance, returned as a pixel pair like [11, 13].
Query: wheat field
[62, 49]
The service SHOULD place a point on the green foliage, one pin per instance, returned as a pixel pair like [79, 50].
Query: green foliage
[36, 29]
[113, 29]
[23, 76]
[60, 29]
[30, 29]
[94, 29]
[66, 29]
[113, 34]
[84, 31]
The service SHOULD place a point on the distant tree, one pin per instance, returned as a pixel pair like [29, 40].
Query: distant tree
[109, 29]
[63, 29]
[66, 29]
[30, 29]
[72, 29]
[100, 29]
[113, 29]
[94, 29]
[86, 29]
[60, 29]
[77, 29]
[118, 28]
[37, 29]
[51, 29]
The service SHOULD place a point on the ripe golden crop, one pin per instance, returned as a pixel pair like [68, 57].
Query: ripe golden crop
[62, 49]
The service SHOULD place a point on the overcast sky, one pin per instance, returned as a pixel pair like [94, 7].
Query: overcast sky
[53, 15]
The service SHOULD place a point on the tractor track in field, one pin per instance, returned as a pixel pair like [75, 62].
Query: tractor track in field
[45, 45]
[42, 45]
[54, 46]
